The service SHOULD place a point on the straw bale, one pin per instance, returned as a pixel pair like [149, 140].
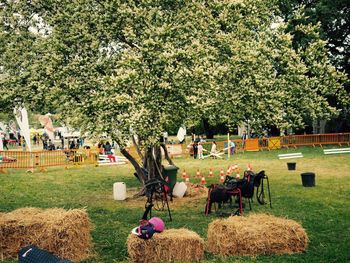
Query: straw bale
[255, 235]
[171, 245]
[65, 233]
[195, 190]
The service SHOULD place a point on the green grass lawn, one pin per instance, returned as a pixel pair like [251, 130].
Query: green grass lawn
[324, 210]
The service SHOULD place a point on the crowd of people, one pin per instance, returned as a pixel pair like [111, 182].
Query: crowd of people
[106, 148]
[45, 141]
[196, 147]
[6, 142]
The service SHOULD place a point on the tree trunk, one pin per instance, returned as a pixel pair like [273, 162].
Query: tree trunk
[140, 174]
[207, 129]
[150, 163]
[137, 148]
[151, 166]
[153, 162]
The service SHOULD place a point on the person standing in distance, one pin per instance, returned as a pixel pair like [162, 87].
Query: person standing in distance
[244, 138]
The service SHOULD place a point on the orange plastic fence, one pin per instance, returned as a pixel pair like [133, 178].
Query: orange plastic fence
[272, 143]
[252, 145]
[43, 159]
[315, 139]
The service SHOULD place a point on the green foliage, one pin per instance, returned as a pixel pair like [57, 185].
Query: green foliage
[138, 67]
[333, 16]
[4, 117]
[332, 22]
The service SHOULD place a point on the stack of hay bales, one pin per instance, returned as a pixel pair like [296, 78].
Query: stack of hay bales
[171, 245]
[64, 233]
[254, 235]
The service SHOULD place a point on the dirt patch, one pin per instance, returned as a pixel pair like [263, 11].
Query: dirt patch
[193, 192]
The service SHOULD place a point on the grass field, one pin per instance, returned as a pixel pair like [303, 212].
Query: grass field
[324, 210]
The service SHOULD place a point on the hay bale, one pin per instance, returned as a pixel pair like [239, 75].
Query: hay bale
[171, 245]
[255, 235]
[195, 190]
[64, 233]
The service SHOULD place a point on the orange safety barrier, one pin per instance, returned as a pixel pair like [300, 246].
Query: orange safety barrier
[43, 159]
[315, 139]
[274, 143]
[263, 143]
[252, 145]
[239, 145]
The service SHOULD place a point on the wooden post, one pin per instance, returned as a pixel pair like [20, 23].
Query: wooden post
[228, 146]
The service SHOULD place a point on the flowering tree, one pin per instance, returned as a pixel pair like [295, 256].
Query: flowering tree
[130, 68]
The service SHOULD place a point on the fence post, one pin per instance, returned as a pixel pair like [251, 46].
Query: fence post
[228, 146]
[31, 163]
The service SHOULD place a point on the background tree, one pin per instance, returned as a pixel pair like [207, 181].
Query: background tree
[261, 78]
[133, 68]
[333, 18]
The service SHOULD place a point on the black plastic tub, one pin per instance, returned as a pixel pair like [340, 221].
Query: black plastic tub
[291, 166]
[308, 179]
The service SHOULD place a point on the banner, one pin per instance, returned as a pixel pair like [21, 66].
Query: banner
[48, 127]
[181, 134]
[2, 135]
[21, 115]
[2, 127]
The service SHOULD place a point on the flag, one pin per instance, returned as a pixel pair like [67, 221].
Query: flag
[2, 127]
[45, 121]
[2, 135]
[21, 115]
[181, 134]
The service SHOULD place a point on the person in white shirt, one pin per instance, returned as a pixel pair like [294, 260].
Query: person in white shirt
[213, 149]
[200, 151]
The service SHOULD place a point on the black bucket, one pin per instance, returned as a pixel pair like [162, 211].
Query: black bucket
[308, 179]
[291, 166]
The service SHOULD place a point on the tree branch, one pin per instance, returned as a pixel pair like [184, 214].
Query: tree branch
[137, 148]
[140, 173]
[166, 155]
[125, 41]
